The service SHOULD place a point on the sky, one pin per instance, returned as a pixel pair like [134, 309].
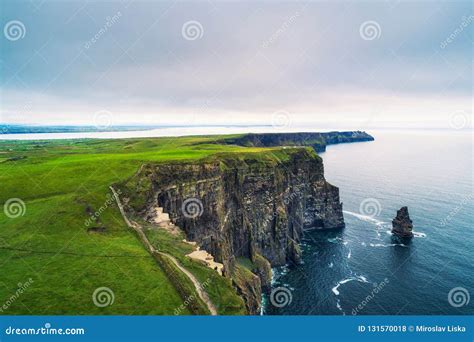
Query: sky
[304, 64]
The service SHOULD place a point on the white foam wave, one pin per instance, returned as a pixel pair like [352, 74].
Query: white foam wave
[338, 240]
[387, 245]
[419, 234]
[361, 279]
[365, 218]
[338, 305]
[415, 234]
[277, 273]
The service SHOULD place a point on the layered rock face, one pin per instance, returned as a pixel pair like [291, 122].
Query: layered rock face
[243, 207]
[233, 208]
[402, 224]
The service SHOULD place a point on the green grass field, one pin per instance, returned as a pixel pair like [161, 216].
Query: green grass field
[60, 183]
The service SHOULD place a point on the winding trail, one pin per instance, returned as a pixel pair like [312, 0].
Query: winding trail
[138, 229]
[199, 289]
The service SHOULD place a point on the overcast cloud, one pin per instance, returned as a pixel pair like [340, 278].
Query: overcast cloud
[250, 60]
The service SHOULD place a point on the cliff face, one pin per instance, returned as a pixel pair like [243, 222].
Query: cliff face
[243, 208]
[318, 141]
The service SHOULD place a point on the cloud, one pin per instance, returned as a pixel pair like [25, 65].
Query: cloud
[249, 61]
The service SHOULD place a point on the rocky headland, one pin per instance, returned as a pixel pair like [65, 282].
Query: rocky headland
[316, 140]
[251, 206]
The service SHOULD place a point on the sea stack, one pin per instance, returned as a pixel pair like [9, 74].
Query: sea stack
[402, 225]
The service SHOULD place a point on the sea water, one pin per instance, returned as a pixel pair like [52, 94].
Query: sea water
[363, 269]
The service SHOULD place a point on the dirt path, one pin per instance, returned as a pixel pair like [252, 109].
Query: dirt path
[200, 290]
[136, 227]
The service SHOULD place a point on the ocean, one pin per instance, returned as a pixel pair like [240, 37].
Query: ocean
[362, 269]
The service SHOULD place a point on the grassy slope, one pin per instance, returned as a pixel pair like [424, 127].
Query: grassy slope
[58, 180]
[216, 286]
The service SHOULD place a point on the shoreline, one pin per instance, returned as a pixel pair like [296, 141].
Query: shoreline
[193, 131]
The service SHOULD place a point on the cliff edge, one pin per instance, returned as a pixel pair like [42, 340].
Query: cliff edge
[316, 140]
[254, 206]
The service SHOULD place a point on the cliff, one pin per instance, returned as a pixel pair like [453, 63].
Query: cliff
[253, 205]
[318, 141]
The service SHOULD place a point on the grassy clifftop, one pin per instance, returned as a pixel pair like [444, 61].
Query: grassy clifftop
[58, 185]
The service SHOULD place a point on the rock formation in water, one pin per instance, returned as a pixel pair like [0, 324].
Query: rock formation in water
[244, 207]
[402, 224]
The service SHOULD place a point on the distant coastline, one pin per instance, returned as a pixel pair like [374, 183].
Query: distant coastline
[40, 129]
[65, 132]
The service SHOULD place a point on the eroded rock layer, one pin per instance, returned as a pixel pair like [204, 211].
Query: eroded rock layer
[242, 207]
